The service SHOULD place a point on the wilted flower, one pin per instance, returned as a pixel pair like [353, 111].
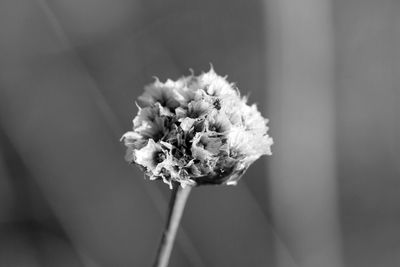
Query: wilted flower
[196, 130]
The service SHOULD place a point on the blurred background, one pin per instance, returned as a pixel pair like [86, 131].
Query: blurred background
[326, 74]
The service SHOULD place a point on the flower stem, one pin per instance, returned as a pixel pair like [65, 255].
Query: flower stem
[176, 206]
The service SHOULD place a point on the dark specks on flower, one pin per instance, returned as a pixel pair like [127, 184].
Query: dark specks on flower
[159, 157]
[217, 104]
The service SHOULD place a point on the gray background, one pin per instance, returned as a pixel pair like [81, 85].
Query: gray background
[326, 73]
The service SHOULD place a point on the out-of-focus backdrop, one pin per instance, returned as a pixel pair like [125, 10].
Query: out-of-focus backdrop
[325, 72]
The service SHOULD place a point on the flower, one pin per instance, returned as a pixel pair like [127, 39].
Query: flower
[162, 93]
[196, 130]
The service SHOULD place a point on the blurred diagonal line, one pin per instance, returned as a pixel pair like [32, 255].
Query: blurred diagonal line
[268, 221]
[153, 192]
[86, 260]
[300, 71]
[101, 102]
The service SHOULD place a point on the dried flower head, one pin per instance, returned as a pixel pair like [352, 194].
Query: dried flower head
[196, 130]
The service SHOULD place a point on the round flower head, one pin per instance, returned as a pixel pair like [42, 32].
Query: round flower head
[196, 130]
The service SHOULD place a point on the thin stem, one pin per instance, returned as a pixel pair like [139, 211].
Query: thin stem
[176, 206]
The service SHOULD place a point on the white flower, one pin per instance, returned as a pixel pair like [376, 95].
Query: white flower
[185, 90]
[163, 93]
[253, 120]
[216, 85]
[248, 145]
[196, 130]
[151, 121]
[132, 141]
[205, 147]
[218, 123]
[150, 155]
